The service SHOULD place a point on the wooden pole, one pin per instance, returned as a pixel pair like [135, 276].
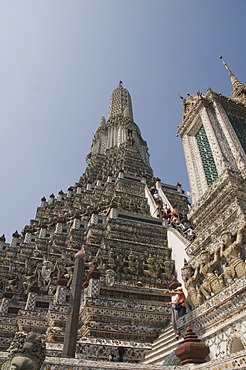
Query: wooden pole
[71, 330]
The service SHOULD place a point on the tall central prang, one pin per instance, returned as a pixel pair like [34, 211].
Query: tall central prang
[114, 213]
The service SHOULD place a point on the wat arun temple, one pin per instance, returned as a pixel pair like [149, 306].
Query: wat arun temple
[93, 273]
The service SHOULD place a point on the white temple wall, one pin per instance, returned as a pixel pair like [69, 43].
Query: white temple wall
[178, 252]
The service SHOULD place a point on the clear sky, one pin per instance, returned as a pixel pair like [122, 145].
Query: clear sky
[60, 61]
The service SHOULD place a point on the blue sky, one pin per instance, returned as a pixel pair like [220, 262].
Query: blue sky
[60, 61]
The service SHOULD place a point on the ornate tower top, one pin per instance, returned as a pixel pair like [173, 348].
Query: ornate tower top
[118, 142]
[214, 138]
[239, 89]
[120, 102]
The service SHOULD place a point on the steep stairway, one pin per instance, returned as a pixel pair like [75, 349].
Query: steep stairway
[163, 346]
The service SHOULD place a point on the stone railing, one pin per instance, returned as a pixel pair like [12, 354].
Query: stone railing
[217, 309]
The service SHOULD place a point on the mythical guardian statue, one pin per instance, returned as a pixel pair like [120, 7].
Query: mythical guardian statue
[231, 252]
[26, 352]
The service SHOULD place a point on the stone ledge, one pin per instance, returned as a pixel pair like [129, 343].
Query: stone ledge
[237, 360]
[204, 315]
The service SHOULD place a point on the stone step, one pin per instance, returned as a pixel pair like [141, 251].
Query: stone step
[157, 356]
[165, 339]
[165, 334]
[167, 330]
[165, 343]
[162, 346]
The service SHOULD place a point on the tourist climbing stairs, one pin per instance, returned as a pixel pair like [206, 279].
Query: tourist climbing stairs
[163, 346]
[151, 202]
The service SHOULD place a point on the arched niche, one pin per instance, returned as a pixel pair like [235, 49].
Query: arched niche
[236, 345]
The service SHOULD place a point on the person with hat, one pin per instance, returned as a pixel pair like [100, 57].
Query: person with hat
[180, 302]
[174, 313]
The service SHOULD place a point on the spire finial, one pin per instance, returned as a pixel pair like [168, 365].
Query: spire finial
[238, 87]
[226, 66]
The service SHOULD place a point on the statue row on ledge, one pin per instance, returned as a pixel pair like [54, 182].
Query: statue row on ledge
[150, 267]
[217, 270]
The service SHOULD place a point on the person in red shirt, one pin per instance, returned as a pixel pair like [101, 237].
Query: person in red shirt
[180, 302]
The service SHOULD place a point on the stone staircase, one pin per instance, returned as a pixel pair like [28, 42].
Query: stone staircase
[163, 346]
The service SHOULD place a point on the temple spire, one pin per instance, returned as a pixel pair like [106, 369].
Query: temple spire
[238, 87]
